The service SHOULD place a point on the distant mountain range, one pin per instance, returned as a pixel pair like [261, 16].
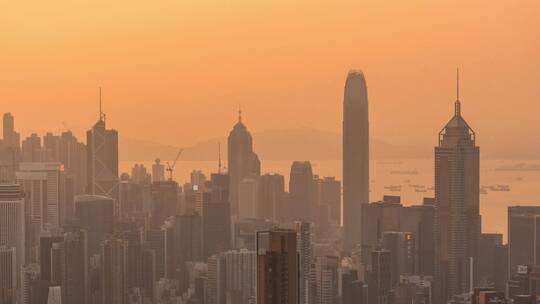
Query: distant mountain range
[288, 144]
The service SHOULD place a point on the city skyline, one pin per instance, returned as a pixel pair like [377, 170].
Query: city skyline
[459, 35]
[185, 152]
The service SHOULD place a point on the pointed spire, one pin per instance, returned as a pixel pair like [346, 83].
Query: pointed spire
[458, 103]
[239, 113]
[101, 114]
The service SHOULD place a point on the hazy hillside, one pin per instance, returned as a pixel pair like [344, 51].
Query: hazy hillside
[270, 144]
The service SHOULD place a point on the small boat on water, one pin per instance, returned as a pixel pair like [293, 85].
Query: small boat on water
[501, 188]
[393, 187]
[404, 172]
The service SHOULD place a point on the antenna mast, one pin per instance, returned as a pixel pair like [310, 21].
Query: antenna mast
[101, 114]
[219, 158]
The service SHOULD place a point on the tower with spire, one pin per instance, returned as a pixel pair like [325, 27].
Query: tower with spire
[102, 158]
[457, 196]
[242, 161]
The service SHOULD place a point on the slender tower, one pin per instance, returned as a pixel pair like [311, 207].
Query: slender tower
[355, 156]
[457, 194]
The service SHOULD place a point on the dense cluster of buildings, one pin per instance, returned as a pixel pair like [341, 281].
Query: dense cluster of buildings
[75, 230]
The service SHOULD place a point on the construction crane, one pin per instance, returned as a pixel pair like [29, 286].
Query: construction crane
[170, 168]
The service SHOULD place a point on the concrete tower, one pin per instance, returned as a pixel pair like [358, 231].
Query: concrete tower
[457, 194]
[355, 155]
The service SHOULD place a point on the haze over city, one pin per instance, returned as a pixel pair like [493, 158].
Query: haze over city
[168, 64]
[182, 152]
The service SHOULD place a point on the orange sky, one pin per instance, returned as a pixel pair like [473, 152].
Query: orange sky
[176, 71]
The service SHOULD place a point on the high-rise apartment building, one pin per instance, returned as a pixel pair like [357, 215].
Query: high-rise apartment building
[216, 290]
[277, 267]
[355, 155]
[8, 275]
[326, 280]
[241, 275]
[306, 259]
[12, 224]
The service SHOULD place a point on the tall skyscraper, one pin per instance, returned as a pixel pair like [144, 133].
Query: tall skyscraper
[216, 284]
[8, 275]
[102, 159]
[72, 154]
[457, 194]
[31, 149]
[216, 216]
[33, 289]
[46, 241]
[164, 201]
[11, 138]
[12, 223]
[271, 194]
[155, 241]
[355, 156]
[241, 275]
[243, 162]
[96, 213]
[10, 149]
[113, 271]
[44, 184]
[248, 199]
[74, 284]
[402, 248]
[523, 237]
[331, 197]
[379, 277]
[183, 237]
[277, 267]
[301, 190]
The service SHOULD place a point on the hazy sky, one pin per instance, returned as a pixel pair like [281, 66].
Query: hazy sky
[176, 71]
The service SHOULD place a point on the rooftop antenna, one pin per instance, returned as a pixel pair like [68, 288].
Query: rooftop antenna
[457, 86]
[219, 158]
[239, 113]
[458, 103]
[101, 114]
